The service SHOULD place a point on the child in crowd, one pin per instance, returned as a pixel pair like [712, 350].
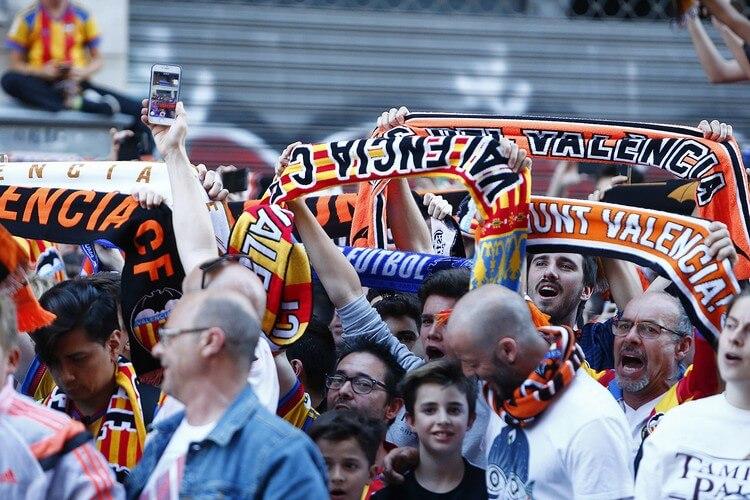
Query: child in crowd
[349, 442]
[440, 406]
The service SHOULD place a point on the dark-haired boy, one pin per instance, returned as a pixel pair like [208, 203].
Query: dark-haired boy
[440, 407]
[349, 442]
[95, 385]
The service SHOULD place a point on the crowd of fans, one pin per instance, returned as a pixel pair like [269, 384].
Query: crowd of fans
[570, 389]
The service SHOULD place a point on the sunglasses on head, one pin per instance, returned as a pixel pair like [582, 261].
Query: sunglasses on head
[209, 266]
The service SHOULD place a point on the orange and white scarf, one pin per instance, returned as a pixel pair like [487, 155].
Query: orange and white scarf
[553, 374]
[722, 192]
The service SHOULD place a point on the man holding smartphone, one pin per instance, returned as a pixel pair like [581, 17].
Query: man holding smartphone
[53, 54]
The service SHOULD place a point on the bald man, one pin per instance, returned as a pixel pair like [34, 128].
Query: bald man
[222, 275]
[224, 442]
[562, 437]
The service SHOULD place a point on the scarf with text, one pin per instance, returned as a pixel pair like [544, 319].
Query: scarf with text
[397, 270]
[646, 237]
[264, 232]
[501, 195]
[122, 432]
[152, 275]
[722, 192]
[555, 372]
[673, 245]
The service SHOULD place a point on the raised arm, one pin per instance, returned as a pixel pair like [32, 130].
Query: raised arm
[193, 231]
[624, 282]
[718, 69]
[724, 12]
[337, 275]
[341, 282]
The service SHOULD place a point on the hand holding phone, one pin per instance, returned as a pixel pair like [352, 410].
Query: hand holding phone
[164, 93]
[235, 181]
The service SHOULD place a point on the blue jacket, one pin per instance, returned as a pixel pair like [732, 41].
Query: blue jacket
[251, 453]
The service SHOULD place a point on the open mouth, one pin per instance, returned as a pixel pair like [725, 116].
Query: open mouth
[443, 435]
[433, 352]
[631, 364]
[338, 493]
[548, 291]
[732, 357]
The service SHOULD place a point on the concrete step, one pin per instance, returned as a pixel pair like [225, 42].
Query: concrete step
[30, 134]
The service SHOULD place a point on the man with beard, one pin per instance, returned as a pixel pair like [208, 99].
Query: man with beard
[559, 283]
[365, 379]
[652, 339]
[553, 431]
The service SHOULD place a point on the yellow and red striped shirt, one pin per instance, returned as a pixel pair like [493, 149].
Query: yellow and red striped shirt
[43, 38]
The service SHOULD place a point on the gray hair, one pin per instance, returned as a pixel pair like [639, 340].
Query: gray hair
[683, 326]
[8, 329]
[241, 329]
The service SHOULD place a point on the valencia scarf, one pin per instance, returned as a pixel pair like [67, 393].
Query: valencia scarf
[673, 245]
[501, 195]
[264, 232]
[122, 432]
[152, 276]
[722, 191]
[555, 372]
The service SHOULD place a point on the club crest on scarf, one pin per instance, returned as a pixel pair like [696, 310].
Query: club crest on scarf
[265, 233]
[150, 314]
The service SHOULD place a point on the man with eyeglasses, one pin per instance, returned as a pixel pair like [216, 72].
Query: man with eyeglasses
[652, 339]
[365, 379]
[225, 442]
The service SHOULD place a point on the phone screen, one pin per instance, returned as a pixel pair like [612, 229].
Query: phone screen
[165, 90]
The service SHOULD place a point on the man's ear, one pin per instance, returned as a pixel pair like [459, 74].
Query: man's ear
[682, 347]
[586, 292]
[212, 341]
[506, 350]
[392, 409]
[12, 357]
[115, 343]
[297, 367]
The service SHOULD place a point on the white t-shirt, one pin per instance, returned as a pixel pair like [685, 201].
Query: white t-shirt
[700, 449]
[578, 448]
[164, 482]
[637, 420]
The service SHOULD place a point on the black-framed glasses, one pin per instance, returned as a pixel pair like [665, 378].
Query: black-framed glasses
[212, 264]
[361, 384]
[644, 329]
[170, 333]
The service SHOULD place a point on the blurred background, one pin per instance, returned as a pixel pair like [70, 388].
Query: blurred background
[258, 74]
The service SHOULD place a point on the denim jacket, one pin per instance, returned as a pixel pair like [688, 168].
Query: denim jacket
[251, 453]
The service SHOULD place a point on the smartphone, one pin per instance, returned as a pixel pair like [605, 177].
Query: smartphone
[235, 181]
[164, 93]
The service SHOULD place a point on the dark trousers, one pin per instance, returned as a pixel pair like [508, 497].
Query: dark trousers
[43, 94]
